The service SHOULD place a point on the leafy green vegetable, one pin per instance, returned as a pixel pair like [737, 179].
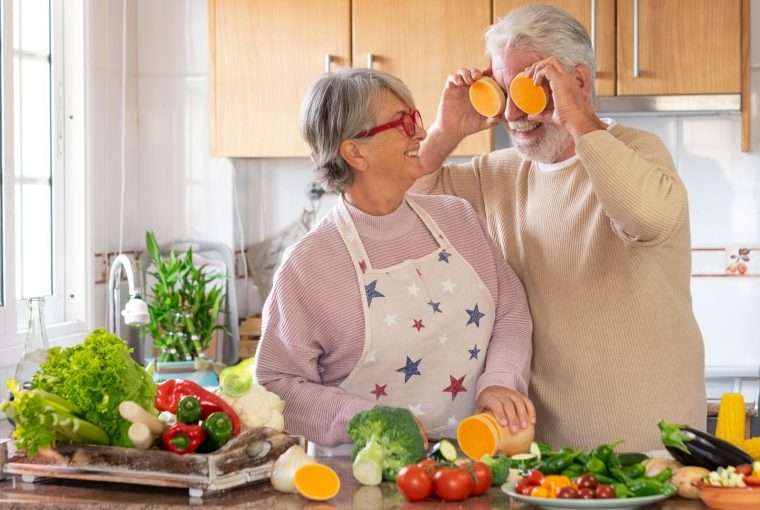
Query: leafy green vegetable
[395, 430]
[43, 419]
[499, 468]
[96, 376]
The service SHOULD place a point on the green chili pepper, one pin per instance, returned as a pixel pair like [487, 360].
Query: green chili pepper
[619, 475]
[573, 471]
[602, 452]
[218, 427]
[651, 487]
[606, 480]
[613, 461]
[638, 470]
[556, 464]
[664, 476]
[622, 491]
[189, 410]
[596, 466]
[583, 458]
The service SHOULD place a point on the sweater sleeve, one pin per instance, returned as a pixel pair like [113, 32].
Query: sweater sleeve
[461, 180]
[287, 362]
[636, 183]
[510, 349]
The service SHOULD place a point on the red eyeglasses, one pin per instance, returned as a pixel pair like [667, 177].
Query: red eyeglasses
[410, 121]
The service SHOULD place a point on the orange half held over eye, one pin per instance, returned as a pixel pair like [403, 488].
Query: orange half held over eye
[487, 97]
[526, 95]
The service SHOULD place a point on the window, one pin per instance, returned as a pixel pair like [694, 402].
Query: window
[33, 161]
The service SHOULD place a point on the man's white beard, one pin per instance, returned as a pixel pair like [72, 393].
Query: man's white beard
[547, 148]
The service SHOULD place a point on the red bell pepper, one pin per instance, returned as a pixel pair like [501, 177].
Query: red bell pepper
[169, 393]
[182, 438]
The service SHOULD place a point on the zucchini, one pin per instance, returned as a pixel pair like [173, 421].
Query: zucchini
[443, 451]
[524, 461]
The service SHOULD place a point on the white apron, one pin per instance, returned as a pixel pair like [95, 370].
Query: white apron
[427, 324]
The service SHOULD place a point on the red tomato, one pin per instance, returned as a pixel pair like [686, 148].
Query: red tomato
[605, 492]
[586, 493]
[482, 475]
[744, 469]
[414, 483]
[429, 465]
[752, 481]
[567, 493]
[523, 486]
[587, 481]
[453, 484]
[535, 477]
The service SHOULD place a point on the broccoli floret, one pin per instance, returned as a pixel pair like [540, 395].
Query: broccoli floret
[395, 430]
[499, 468]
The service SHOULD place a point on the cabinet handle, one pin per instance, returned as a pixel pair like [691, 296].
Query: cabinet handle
[593, 25]
[635, 38]
[370, 60]
[328, 61]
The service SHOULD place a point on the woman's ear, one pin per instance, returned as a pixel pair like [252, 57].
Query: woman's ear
[351, 153]
[583, 78]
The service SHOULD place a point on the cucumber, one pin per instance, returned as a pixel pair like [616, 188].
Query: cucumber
[631, 458]
[443, 451]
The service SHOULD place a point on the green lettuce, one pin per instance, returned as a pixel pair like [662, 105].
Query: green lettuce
[96, 376]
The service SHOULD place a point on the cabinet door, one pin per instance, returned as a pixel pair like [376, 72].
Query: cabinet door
[684, 47]
[422, 42]
[602, 12]
[264, 55]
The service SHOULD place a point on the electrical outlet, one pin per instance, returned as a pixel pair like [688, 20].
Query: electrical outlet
[100, 267]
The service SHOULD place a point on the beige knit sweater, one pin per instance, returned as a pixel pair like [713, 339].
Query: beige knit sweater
[603, 249]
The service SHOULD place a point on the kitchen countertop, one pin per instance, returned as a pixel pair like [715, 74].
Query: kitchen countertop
[60, 494]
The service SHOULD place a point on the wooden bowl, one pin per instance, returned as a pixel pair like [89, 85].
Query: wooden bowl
[729, 498]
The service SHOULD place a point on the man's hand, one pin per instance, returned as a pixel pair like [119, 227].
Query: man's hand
[510, 407]
[456, 119]
[572, 107]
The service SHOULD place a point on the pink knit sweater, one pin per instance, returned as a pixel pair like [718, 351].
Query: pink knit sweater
[313, 331]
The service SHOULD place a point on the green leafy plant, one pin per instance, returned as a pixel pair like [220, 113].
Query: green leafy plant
[184, 305]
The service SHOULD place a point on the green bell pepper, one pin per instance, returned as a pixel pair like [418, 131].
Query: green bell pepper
[189, 410]
[218, 427]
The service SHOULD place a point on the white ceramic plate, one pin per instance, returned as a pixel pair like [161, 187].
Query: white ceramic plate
[618, 504]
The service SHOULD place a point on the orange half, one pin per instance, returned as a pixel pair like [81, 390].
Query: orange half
[526, 95]
[317, 482]
[487, 97]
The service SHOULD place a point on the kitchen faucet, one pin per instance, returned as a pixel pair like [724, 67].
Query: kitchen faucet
[135, 312]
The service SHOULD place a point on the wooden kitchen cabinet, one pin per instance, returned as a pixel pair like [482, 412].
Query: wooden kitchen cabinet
[422, 42]
[684, 47]
[264, 55]
[602, 13]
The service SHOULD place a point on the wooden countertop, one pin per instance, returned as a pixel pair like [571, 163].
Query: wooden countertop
[59, 494]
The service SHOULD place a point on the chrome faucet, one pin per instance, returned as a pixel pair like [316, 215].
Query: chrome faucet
[135, 312]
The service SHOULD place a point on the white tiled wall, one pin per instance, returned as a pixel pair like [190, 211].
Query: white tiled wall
[175, 188]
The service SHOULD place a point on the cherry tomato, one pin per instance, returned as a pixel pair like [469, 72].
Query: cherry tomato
[523, 486]
[605, 492]
[535, 477]
[587, 481]
[567, 493]
[414, 483]
[744, 469]
[483, 478]
[453, 484]
[586, 493]
[429, 465]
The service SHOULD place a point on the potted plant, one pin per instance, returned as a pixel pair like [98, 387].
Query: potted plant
[184, 305]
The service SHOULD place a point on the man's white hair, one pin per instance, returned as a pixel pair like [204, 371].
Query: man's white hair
[545, 29]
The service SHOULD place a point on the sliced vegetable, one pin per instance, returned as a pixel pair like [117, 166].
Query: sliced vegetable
[285, 467]
[443, 451]
[140, 435]
[693, 447]
[368, 464]
[317, 482]
[134, 413]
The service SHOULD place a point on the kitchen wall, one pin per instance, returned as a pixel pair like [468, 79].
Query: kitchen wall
[175, 188]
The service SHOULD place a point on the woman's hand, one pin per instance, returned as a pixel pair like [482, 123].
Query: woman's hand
[572, 105]
[510, 407]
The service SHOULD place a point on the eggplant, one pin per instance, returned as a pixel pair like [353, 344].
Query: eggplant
[692, 447]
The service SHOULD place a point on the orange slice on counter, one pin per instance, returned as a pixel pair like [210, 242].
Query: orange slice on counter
[526, 95]
[487, 97]
[317, 482]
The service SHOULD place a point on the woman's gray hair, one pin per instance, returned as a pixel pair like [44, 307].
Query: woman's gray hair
[546, 29]
[337, 108]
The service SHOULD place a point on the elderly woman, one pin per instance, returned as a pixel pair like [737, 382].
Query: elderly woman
[393, 299]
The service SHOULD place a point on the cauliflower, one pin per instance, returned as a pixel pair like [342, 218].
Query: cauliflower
[256, 406]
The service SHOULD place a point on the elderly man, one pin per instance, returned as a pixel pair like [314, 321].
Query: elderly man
[594, 220]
